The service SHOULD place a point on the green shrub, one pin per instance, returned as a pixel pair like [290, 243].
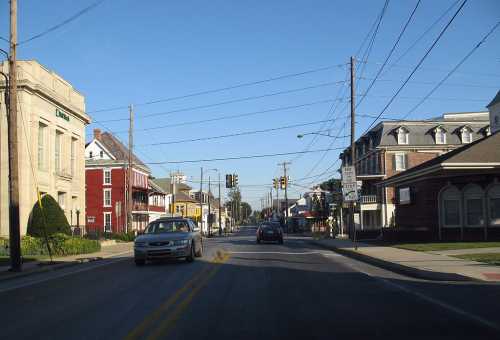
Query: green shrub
[60, 244]
[125, 237]
[55, 220]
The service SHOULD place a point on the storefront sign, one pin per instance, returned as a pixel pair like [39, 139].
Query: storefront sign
[90, 219]
[62, 115]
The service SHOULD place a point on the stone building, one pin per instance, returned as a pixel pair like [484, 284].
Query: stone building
[51, 123]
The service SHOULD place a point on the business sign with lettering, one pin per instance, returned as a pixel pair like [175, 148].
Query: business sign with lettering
[62, 115]
[349, 184]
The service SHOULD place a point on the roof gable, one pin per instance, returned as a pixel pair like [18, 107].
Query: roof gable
[118, 150]
[495, 100]
[93, 149]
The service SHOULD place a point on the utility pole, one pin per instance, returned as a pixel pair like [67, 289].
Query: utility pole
[130, 201]
[201, 200]
[172, 179]
[14, 223]
[209, 220]
[220, 203]
[353, 149]
[284, 164]
[277, 201]
[271, 205]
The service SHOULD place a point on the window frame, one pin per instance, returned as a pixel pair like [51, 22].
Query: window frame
[104, 172]
[468, 195]
[42, 146]
[104, 225]
[466, 131]
[440, 132]
[73, 156]
[61, 194]
[405, 166]
[104, 198]
[58, 151]
[403, 132]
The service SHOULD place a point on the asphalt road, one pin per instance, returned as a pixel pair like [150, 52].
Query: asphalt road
[241, 290]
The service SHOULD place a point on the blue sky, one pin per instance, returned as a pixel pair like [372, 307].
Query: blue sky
[126, 51]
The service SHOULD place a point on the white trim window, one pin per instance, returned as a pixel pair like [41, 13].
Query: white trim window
[61, 199]
[107, 197]
[440, 135]
[400, 161]
[494, 205]
[57, 151]
[474, 206]
[107, 176]
[466, 134]
[107, 222]
[73, 156]
[403, 136]
[42, 132]
[450, 206]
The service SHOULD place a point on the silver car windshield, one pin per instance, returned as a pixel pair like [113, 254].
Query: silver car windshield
[167, 227]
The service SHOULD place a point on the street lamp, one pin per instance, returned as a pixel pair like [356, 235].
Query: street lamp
[315, 133]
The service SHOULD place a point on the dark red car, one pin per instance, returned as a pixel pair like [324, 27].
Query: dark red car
[270, 231]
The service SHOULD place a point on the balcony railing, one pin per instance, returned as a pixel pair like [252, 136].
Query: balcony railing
[368, 199]
[139, 206]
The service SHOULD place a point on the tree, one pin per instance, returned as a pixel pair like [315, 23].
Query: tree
[246, 210]
[49, 219]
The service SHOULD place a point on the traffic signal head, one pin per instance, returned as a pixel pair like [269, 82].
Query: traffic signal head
[229, 181]
[235, 180]
[275, 183]
[282, 182]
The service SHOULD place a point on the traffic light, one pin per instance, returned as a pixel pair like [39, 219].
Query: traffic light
[235, 180]
[275, 183]
[282, 182]
[229, 181]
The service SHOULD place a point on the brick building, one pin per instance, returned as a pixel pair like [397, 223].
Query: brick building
[395, 146]
[455, 196]
[106, 173]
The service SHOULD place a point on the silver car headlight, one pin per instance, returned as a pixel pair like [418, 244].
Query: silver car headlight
[180, 242]
[140, 244]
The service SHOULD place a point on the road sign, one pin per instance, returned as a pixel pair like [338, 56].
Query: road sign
[349, 184]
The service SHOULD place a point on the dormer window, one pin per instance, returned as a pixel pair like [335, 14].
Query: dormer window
[440, 135]
[466, 134]
[402, 135]
[487, 131]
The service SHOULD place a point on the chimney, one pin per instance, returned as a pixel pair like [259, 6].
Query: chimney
[97, 134]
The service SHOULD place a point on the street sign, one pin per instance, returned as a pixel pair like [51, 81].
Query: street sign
[349, 184]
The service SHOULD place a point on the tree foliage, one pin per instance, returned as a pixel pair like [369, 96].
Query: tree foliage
[49, 216]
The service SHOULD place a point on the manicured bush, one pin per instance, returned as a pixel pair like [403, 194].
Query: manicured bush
[50, 217]
[60, 244]
[125, 237]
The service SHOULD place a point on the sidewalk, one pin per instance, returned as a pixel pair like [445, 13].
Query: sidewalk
[67, 261]
[425, 265]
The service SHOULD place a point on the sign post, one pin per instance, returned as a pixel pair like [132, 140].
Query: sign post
[350, 194]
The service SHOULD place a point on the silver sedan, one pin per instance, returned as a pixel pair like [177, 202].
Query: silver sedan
[168, 237]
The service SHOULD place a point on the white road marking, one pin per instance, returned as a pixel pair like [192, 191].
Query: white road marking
[432, 300]
[280, 253]
[57, 275]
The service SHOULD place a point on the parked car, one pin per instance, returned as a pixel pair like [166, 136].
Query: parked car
[168, 237]
[269, 231]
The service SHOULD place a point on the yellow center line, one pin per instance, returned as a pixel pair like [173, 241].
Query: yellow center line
[166, 324]
[138, 331]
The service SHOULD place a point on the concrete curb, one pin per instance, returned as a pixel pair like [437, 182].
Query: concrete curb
[50, 268]
[396, 267]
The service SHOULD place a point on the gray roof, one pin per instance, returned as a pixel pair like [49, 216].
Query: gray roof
[480, 152]
[165, 184]
[156, 187]
[421, 132]
[118, 150]
[495, 100]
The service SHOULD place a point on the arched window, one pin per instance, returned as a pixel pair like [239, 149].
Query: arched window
[90, 154]
[473, 204]
[402, 134]
[466, 133]
[450, 207]
[494, 205]
[440, 135]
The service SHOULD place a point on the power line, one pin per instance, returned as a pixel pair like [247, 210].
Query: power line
[65, 22]
[241, 157]
[226, 88]
[236, 134]
[232, 101]
[419, 63]
[424, 34]
[452, 70]
[282, 108]
[390, 53]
